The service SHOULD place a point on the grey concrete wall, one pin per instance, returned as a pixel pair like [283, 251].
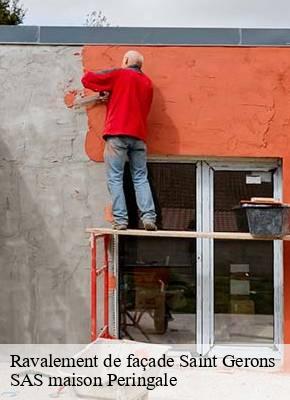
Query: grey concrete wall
[50, 193]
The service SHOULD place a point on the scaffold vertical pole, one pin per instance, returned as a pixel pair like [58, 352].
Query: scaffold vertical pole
[93, 242]
[106, 285]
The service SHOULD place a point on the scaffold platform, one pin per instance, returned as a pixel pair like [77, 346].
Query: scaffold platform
[106, 234]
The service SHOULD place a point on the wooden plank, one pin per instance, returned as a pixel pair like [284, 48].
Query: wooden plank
[181, 234]
[265, 200]
[262, 200]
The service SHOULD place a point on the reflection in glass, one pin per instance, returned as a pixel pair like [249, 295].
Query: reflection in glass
[244, 292]
[157, 289]
[243, 270]
[158, 275]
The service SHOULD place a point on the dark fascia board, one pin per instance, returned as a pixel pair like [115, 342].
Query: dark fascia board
[19, 34]
[266, 37]
[139, 36]
[74, 35]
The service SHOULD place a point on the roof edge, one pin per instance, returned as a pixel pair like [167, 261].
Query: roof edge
[80, 35]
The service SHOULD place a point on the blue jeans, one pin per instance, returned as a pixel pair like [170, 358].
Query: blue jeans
[117, 149]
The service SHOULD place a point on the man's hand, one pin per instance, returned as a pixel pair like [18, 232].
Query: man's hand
[83, 101]
[103, 97]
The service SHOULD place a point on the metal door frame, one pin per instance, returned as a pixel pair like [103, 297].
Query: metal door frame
[267, 350]
[205, 256]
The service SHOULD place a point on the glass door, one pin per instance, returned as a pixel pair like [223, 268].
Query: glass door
[217, 294]
[246, 275]
[157, 275]
[243, 270]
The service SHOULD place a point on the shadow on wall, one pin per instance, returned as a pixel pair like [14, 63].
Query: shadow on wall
[43, 293]
[161, 127]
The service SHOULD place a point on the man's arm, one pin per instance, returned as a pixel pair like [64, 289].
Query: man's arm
[100, 81]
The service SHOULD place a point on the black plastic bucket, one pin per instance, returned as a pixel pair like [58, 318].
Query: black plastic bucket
[264, 220]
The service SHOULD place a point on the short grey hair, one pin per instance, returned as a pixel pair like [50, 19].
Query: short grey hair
[134, 58]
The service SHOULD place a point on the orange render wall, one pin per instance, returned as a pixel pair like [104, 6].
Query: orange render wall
[211, 101]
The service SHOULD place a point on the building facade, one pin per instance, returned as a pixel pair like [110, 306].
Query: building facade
[218, 134]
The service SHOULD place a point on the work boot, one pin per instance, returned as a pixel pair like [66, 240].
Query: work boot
[119, 227]
[149, 226]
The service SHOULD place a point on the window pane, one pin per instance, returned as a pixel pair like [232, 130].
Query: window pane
[244, 291]
[232, 186]
[243, 279]
[174, 193]
[158, 275]
[158, 289]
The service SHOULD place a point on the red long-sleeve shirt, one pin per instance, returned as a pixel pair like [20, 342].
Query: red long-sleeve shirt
[129, 102]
